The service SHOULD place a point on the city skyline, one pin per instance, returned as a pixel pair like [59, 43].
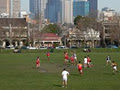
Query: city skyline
[114, 4]
[10, 7]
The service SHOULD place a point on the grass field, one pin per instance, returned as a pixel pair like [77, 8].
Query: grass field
[18, 72]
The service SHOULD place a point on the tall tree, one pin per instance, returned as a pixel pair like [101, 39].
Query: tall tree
[88, 26]
[52, 28]
[115, 33]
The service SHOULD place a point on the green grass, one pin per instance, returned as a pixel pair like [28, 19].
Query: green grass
[18, 72]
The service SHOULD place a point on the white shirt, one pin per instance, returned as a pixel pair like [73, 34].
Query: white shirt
[65, 74]
[74, 55]
[85, 60]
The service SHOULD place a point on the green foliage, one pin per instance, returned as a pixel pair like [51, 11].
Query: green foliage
[85, 22]
[52, 28]
[56, 44]
[76, 20]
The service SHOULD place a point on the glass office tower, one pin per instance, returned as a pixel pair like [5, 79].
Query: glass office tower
[93, 8]
[80, 8]
[52, 12]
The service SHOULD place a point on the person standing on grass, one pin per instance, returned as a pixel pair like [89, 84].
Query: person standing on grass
[114, 67]
[66, 57]
[48, 55]
[65, 74]
[72, 60]
[88, 61]
[85, 62]
[75, 57]
[108, 60]
[80, 68]
[38, 63]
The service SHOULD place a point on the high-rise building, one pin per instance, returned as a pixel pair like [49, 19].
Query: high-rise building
[10, 7]
[93, 5]
[38, 7]
[34, 6]
[52, 11]
[80, 8]
[67, 11]
[5, 6]
[16, 8]
[107, 14]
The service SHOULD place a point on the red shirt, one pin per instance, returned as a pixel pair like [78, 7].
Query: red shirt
[72, 58]
[48, 54]
[88, 59]
[37, 61]
[80, 66]
[66, 56]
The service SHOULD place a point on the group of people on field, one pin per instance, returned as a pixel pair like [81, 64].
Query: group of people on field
[113, 64]
[38, 60]
[87, 63]
[73, 60]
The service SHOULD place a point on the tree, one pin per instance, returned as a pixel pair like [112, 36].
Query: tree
[2, 37]
[88, 26]
[76, 20]
[115, 33]
[52, 28]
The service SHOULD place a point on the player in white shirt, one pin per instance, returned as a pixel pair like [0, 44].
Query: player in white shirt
[75, 57]
[108, 60]
[64, 77]
[85, 62]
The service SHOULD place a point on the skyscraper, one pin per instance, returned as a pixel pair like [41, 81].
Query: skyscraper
[33, 6]
[67, 11]
[11, 7]
[52, 11]
[38, 7]
[80, 8]
[16, 8]
[5, 6]
[93, 5]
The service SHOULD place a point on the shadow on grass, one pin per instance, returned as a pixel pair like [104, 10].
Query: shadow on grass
[107, 74]
[56, 85]
[74, 75]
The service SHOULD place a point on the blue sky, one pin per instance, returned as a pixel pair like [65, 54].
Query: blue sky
[114, 4]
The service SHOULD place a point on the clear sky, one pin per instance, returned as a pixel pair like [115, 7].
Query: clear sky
[114, 4]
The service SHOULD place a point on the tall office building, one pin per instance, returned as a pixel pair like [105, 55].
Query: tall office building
[38, 7]
[33, 6]
[52, 11]
[11, 7]
[80, 8]
[93, 5]
[67, 11]
[5, 6]
[15, 8]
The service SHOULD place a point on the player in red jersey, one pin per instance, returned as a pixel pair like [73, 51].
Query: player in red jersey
[48, 55]
[88, 61]
[66, 57]
[38, 63]
[72, 60]
[79, 65]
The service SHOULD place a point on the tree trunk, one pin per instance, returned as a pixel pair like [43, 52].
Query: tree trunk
[93, 44]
